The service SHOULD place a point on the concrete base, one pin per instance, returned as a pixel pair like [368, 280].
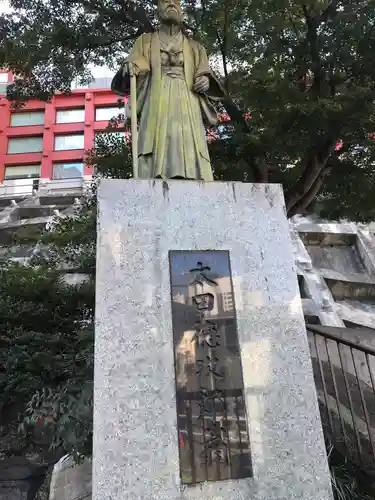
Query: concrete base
[135, 452]
[70, 481]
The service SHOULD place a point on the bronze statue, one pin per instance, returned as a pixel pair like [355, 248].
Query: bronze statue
[175, 93]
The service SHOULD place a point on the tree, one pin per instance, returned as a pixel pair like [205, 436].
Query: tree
[46, 344]
[299, 78]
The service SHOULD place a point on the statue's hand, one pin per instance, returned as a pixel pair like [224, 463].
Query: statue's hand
[201, 84]
[128, 68]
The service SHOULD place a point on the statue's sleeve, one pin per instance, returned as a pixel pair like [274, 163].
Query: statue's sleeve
[216, 90]
[121, 82]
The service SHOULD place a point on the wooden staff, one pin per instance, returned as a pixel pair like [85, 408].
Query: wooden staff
[134, 126]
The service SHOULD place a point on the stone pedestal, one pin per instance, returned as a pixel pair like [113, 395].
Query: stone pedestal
[71, 481]
[136, 445]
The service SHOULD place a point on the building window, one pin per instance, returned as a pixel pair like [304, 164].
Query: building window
[27, 118]
[70, 115]
[66, 142]
[68, 170]
[228, 304]
[25, 145]
[22, 172]
[106, 114]
[95, 83]
[101, 83]
[3, 83]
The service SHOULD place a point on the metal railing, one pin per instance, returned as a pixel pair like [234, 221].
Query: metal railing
[18, 187]
[344, 378]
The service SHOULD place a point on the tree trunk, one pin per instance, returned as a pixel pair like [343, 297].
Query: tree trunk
[311, 180]
[302, 205]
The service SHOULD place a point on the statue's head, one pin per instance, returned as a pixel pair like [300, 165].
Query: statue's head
[169, 11]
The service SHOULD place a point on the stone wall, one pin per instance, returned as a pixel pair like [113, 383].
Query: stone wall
[336, 268]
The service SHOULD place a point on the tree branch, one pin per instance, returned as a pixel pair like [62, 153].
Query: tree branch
[136, 14]
[315, 164]
[294, 26]
[252, 156]
[101, 43]
[330, 12]
[312, 41]
[311, 194]
[259, 167]
[222, 47]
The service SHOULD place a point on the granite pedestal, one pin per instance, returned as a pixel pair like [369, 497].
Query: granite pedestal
[136, 448]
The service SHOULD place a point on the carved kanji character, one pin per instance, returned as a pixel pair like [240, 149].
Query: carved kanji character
[201, 275]
[211, 364]
[207, 334]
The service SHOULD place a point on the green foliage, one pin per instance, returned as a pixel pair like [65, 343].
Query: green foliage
[345, 486]
[345, 480]
[47, 328]
[350, 195]
[111, 156]
[71, 243]
[46, 342]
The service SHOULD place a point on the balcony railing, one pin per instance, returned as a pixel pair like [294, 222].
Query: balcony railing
[345, 381]
[18, 187]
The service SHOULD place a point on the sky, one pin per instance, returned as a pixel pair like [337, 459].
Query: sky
[4, 6]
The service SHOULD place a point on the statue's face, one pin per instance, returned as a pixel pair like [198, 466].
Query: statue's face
[170, 11]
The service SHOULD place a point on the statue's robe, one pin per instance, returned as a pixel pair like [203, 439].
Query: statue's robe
[171, 138]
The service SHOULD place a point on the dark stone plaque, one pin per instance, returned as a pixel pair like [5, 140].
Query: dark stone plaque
[211, 414]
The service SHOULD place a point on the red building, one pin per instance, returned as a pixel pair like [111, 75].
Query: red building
[48, 140]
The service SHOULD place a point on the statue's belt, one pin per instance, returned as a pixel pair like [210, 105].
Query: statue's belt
[173, 71]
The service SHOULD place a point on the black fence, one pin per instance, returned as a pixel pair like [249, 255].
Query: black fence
[344, 377]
